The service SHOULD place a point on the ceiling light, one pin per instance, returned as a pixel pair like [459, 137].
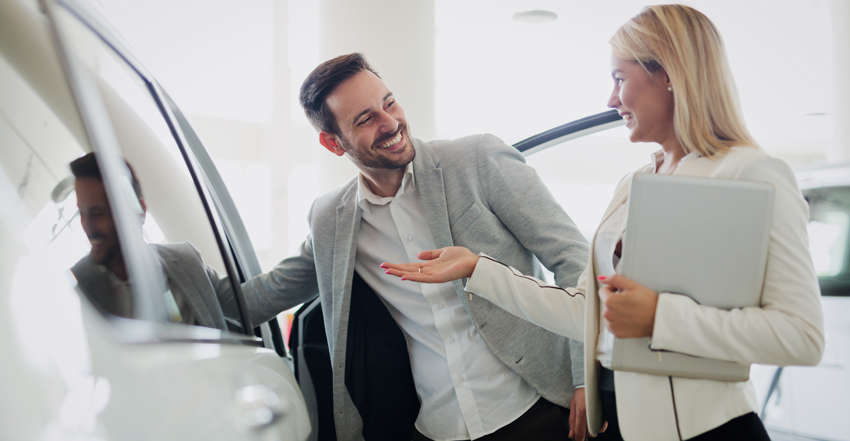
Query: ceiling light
[535, 16]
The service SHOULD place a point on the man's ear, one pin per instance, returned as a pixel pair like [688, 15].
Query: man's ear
[331, 142]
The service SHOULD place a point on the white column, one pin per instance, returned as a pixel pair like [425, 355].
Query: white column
[281, 156]
[840, 148]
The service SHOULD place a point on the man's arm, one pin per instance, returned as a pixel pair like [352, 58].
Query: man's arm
[525, 206]
[290, 282]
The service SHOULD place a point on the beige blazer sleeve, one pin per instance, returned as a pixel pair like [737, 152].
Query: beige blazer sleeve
[556, 309]
[787, 327]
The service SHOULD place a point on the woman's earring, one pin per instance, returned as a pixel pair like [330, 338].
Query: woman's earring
[669, 88]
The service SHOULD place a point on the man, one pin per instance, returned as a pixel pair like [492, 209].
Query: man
[102, 274]
[417, 361]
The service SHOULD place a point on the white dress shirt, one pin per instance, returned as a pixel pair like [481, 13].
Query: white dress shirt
[609, 233]
[465, 391]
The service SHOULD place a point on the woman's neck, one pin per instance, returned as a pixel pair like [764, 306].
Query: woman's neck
[673, 153]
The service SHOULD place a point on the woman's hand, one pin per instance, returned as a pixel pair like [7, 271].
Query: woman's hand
[630, 306]
[442, 265]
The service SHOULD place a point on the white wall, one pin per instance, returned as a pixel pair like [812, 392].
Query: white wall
[458, 68]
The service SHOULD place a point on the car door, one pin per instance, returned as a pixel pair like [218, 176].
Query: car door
[83, 370]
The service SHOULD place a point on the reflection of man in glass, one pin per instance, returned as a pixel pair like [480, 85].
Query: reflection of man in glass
[102, 274]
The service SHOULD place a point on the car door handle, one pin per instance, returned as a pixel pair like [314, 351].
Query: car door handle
[258, 407]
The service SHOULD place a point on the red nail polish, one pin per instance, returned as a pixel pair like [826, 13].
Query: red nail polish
[601, 277]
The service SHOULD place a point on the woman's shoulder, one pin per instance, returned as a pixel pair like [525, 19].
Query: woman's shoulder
[752, 162]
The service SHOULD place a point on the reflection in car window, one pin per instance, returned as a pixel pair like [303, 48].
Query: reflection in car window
[41, 234]
[177, 231]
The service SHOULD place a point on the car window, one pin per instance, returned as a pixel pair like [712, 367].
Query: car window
[177, 232]
[42, 233]
[829, 238]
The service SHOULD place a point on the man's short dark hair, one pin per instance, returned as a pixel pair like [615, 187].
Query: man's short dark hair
[86, 167]
[322, 81]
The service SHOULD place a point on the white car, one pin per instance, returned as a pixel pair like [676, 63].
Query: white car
[810, 403]
[73, 371]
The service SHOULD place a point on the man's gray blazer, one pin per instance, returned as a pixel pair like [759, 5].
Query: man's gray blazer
[476, 192]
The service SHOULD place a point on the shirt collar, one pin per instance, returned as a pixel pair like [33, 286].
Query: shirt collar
[366, 197]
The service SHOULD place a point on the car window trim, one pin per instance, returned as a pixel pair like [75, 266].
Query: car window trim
[234, 272]
[571, 130]
[234, 227]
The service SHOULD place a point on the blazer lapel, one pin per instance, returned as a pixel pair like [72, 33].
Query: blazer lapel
[432, 196]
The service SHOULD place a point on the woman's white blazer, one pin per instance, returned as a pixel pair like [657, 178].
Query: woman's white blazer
[785, 329]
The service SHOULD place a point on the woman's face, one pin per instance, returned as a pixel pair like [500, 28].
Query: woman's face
[644, 102]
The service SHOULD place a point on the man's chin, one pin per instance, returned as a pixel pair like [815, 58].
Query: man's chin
[98, 258]
[101, 256]
[397, 163]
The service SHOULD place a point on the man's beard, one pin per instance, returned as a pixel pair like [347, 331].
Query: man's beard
[105, 254]
[379, 161]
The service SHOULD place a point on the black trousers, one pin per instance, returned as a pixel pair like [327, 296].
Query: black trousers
[744, 427]
[544, 421]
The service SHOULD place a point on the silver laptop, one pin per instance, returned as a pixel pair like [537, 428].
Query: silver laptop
[701, 237]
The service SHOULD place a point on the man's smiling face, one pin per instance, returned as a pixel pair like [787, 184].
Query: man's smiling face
[96, 219]
[372, 125]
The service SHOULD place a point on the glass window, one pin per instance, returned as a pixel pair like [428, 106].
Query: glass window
[177, 231]
[40, 229]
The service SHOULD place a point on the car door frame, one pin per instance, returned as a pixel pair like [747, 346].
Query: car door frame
[239, 258]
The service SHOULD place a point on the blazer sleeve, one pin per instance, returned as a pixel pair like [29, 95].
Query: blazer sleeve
[787, 326]
[515, 193]
[556, 309]
[292, 281]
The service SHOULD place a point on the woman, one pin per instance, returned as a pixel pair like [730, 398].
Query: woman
[673, 87]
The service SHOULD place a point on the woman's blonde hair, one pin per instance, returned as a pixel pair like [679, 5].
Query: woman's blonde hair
[685, 44]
